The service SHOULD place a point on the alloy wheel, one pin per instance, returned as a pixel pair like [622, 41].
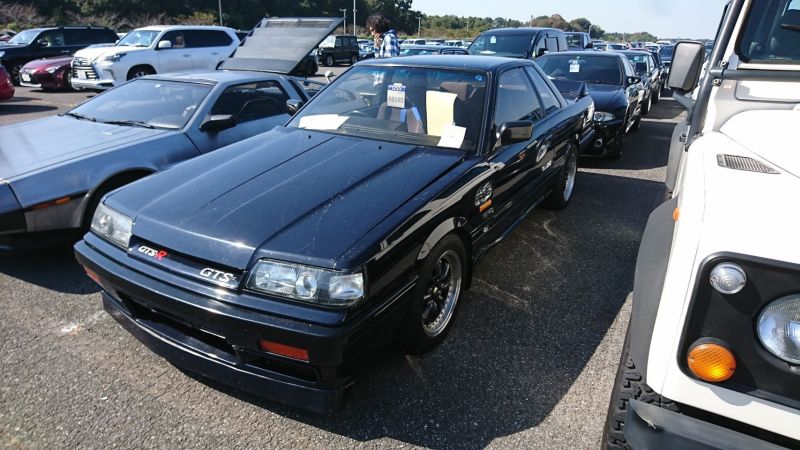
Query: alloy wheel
[441, 295]
[571, 173]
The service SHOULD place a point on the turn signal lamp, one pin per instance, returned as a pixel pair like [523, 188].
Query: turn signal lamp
[284, 350]
[728, 278]
[711, 362]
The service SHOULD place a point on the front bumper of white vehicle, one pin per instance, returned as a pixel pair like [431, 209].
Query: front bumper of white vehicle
[89, 75]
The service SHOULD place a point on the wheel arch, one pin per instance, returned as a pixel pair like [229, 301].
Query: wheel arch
[136, 66]
[456, 226]
[111, 182]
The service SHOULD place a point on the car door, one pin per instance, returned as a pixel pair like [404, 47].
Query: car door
[257, 107]
[178, 58]
[51, 43]
[207, 47]
[634, 91]
[514, 164]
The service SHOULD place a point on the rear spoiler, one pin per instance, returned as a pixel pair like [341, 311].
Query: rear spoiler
[571, 90]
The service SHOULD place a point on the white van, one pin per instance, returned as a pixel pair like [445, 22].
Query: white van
[150, 50]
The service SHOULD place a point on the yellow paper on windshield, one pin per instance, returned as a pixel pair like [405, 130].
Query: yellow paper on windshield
[440, 111]
[322, 122]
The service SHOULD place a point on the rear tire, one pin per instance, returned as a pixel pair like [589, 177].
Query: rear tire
[354, 59]
[329, 61]
[565, 186]
[657, 94]
[647, 105]
[628, 385]
[14, 72]
[140, 71]
[436, 297]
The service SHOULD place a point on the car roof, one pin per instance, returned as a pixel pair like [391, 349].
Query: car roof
[424, 47]
[520, 30]
[469, 62]
[585, 53]
[217, 76]
[636, 52]
[182, 27]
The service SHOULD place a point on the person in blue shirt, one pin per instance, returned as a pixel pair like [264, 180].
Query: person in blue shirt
[385, 37]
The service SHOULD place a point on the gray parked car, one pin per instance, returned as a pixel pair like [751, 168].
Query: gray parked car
[54, 171]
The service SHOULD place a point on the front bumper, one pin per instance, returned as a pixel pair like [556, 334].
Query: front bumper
[91, 76]
[42, 79]
[605, 136]
[210, 334]
[650, 427]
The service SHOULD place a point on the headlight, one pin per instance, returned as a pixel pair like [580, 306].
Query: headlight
[2, 53]
[113, 58]
[309, 284]
[52, 69]
[112, 226]
[602, 116]
[779, 328]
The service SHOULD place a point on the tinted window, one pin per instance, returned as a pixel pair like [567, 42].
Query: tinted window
[549, 98]
[772, 32]
[516, 99]
[339, 42]
[207, 38]
[641, 63]
[575, 40]
[252, 101]
[51, 38]
[419, 106]
[176, 37]
[666, 52]
[88, 36]
[552, 44]
[589, 69]
[163, 104]
[512, 45]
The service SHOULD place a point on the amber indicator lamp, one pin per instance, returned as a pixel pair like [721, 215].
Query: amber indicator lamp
[711, 362]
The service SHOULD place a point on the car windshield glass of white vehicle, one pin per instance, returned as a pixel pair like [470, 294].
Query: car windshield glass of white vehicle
[145, 103]
[420, 106]
[589, 69]
[772, 33]
[511, 45]
[138, 38]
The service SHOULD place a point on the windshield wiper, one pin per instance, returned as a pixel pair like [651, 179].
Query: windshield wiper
[130, 123]
[80, 116]
[599, 82]
[791, 26]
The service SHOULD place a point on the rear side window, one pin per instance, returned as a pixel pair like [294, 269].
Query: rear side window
[207, 38]
[516, 99]
[772, 33]
[546, 93]
[252, 101]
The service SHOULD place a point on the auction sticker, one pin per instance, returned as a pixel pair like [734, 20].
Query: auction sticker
[574, 66]
[396, 96]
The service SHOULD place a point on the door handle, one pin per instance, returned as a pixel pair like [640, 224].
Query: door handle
[65, 52]
[186, 56]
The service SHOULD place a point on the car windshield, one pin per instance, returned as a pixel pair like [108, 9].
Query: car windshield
[138, 38]
[772, 33]
[617, 46]
[511, 45]
[634, 59]
[145, 103]
[418, 51]
[574, 40]
[24, 37]
[329, 42]
[666, 52]
[589, 69]
[420, 106]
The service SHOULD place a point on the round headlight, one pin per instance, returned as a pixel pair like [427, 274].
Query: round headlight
[728, 278]
[306, 285]
[779, 328]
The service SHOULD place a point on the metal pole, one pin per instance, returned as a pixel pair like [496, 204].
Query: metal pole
[220, 12]
[419, 27]
[354, 17]
[344, 16]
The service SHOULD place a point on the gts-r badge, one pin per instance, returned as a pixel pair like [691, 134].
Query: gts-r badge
[153, 253]
[217, 275]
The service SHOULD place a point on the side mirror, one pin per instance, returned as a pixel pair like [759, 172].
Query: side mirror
[687, 61]
[634, 80]
[589, 45]
[164, 45]
[513, 132]
[293, 106]
[42, 43]
[217, 123]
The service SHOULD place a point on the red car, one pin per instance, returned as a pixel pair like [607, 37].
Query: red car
[6, 86]
[48, 73]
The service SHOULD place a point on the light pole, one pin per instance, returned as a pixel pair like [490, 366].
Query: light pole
[419, 26]
[354, 17]
[220, 12]
[344, 17]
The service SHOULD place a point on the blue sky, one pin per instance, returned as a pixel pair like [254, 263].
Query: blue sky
[664, 18]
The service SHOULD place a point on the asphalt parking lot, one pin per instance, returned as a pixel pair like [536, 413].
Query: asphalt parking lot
[529, 363]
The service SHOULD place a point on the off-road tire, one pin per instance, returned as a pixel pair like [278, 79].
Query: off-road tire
[628, 385]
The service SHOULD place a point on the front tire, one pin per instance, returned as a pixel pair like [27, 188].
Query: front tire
[628, 385]
[14, 72]
[615, 152]
[140, 71]
[647, 105]
[329, 61]
[562, 192]
[436, 298]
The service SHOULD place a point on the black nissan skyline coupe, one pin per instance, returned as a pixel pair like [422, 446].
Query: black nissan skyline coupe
[273, 264]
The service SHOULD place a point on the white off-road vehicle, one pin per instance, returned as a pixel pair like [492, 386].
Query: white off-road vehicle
[712, 354]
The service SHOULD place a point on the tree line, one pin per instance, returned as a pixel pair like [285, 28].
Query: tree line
[124, 15]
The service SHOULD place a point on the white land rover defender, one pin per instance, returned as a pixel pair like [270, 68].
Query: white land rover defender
[712, 354]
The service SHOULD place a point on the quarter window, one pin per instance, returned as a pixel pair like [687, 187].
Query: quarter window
[516, 99]
[251, 101]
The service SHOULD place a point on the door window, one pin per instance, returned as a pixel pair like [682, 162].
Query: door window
[207, 38]
[516, 99]
[252, 101]
[552, 44]
[176, 37]
[51, 38]
[549, 98]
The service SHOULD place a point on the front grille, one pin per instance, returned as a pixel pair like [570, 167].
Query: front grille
[83, 65]
[743, 163]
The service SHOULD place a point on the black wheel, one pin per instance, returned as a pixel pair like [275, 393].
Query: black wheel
[140, 71]
[628, 385]
[656, 95]
[648, 103]
[354, 59]
[329, 61]
[436, 297]
[615, 151]
[636, 123]
[14, 72]
[562, 192]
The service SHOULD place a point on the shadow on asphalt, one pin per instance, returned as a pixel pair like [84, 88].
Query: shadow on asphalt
[53, 268]
[8, 108]
[541, 302]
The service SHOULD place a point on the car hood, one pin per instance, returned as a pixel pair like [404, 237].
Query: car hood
[49, 62]
[768, 134]
[30, 146]
[288, 194]
[606, 97]
[92, 53]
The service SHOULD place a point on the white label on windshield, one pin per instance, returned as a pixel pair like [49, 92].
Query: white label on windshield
[452, 136]
[396, 96]
[574, 67]
[493, 40]
[322, 122]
